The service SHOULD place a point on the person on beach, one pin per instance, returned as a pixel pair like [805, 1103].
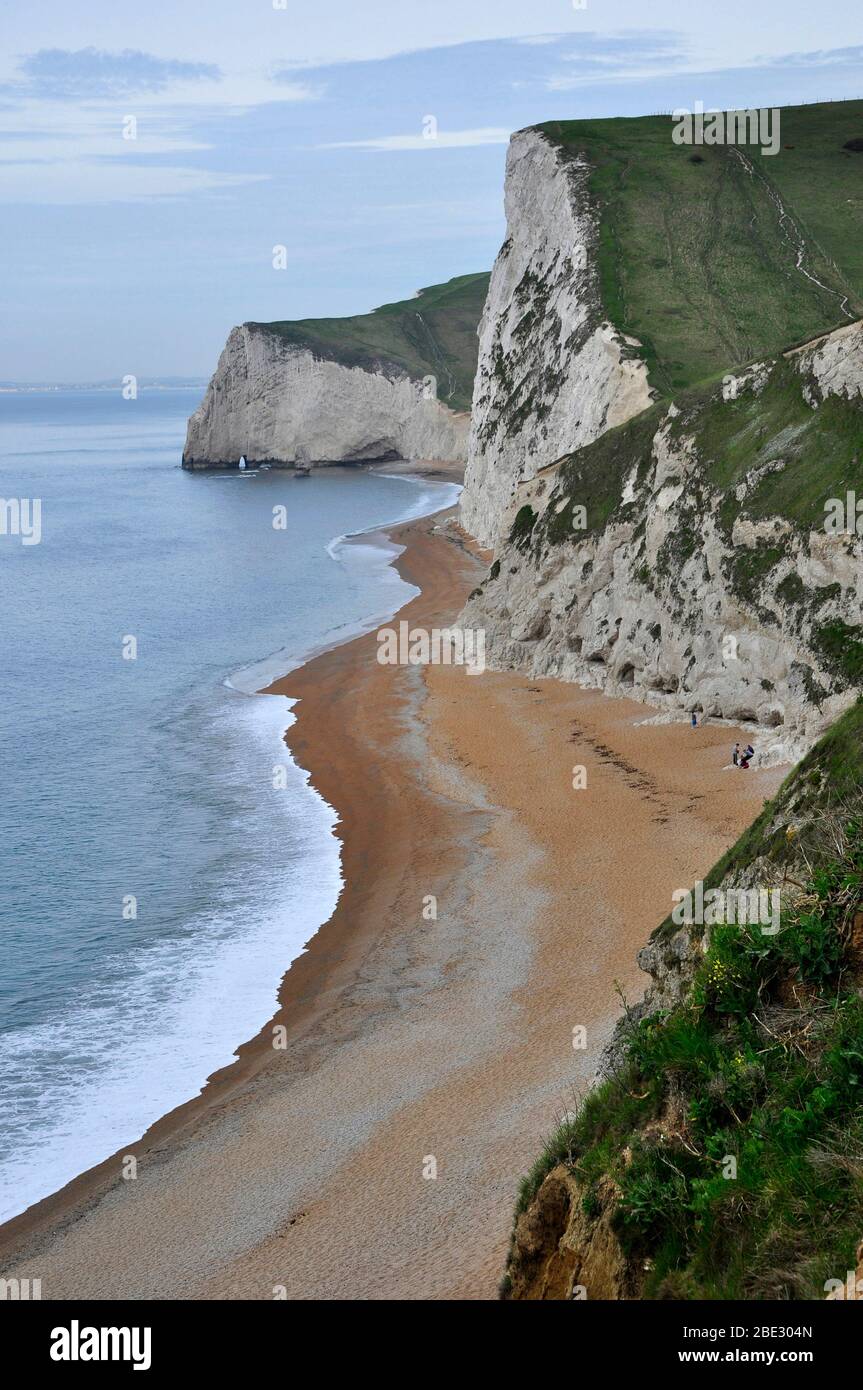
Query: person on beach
[694, 720]
[735, 756]
[748, 755]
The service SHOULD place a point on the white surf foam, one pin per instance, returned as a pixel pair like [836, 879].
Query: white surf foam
[92, 1080]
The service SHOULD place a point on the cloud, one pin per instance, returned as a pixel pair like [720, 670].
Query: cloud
[86, 159]
[443, 140]
[821, 58]
[87, 181]
[638, 55]
[86, 77]
[62, 74]
[537, 40]
[615, 58]
[66, 116]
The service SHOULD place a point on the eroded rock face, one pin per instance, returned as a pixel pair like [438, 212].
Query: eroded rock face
[672, 603]
[272, 401]
[835, 362]
[564, 1247]
[552, 372]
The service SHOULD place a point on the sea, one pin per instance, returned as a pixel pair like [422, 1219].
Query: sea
[162, 859]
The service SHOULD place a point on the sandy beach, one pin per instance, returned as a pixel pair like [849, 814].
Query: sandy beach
[489, 908]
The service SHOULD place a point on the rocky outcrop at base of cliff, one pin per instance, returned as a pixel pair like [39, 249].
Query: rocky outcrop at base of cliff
[564, 1246]
[552, 372]
[684, 559]
[273, 401]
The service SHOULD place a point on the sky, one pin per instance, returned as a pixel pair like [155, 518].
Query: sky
[152, 156]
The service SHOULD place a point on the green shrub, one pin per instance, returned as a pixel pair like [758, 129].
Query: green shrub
[522, 526]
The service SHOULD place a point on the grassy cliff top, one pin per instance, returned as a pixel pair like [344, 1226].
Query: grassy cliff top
[433, 334]
[699, 244]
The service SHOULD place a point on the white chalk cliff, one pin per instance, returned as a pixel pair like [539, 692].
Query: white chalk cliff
[273, 401]
[552, 372]
[677, 593]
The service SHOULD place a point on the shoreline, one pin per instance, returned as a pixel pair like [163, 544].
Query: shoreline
[410, 759]
[437, 473]
[290, 993]
[193, 1057]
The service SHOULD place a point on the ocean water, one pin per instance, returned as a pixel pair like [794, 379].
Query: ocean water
[153, 779]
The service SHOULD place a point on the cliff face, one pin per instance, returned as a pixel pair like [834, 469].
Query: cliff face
[552, 372]
[683, 559]
[565, 1246]
[659, 529]
[273, 401]
[392, 383]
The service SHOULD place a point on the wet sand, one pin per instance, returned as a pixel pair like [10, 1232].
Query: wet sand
[488, 909]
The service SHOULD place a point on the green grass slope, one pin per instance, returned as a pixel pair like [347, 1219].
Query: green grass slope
[699, 248]
[760, 1062]
[432, 335]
